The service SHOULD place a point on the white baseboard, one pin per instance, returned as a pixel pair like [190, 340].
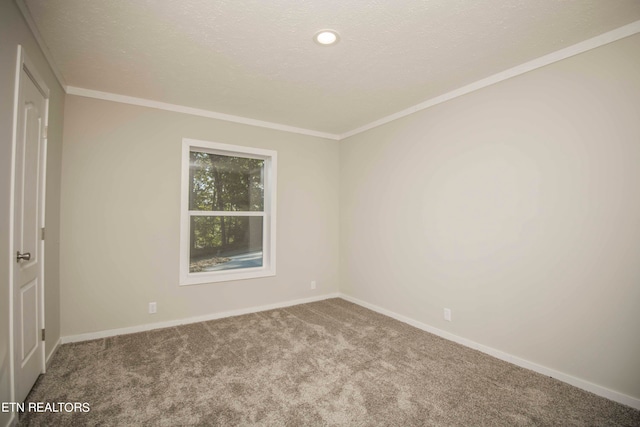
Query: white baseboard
[52, 353]
[170, 323]
[576, 382]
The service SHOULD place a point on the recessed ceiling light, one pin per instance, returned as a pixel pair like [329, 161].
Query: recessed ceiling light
[326, 37]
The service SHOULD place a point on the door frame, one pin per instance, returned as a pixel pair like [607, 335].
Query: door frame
[24, 63]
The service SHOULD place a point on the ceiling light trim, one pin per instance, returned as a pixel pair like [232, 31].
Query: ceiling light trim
[326, 37]
[576, 49]
[141, 102]
[581, 47]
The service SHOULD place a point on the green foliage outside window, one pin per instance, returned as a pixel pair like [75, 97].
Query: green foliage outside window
[220, 183]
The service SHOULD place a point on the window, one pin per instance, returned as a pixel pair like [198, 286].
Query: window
[228, 212]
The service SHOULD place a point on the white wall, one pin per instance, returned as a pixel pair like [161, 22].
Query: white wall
[121, 217]
[14, 31]
[518, 207]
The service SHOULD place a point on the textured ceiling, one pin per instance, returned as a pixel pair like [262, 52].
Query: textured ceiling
[257, 59]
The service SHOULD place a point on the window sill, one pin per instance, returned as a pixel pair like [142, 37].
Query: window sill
[225, 276]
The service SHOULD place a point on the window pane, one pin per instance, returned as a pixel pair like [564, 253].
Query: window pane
[225, 183]
[225, 243]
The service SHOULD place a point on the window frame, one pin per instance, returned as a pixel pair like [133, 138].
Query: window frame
[268, 267]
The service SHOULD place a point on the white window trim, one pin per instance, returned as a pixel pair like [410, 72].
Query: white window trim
[269, 231]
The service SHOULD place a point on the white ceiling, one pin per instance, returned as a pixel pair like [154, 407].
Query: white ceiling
[256, 58]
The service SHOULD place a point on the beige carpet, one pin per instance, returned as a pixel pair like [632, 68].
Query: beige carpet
[324, 363]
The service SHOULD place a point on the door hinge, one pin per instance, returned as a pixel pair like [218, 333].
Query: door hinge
[45, 132]
[42, 334]
[42, 233]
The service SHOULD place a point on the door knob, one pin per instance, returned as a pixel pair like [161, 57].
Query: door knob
[25, 256]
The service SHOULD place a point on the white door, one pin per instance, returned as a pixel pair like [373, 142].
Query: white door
[28, 347]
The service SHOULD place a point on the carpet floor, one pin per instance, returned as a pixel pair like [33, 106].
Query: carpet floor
[329, 363]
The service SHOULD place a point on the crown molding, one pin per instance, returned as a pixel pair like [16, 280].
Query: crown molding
[107, 96]
[578, 48]
[26, 14]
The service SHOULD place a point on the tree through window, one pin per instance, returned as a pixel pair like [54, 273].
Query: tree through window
[230, 211]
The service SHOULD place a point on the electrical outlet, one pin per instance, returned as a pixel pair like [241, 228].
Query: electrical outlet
[447, 314]
[153, 308]
[313, 284]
